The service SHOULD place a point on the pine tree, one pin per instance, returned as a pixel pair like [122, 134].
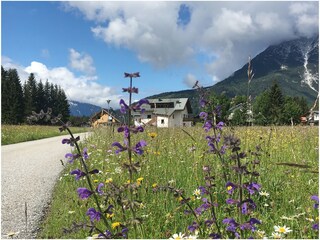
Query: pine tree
[11, 97]
[30, 94]
[276, 102]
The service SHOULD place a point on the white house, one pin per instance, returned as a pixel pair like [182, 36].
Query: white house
[169, 112]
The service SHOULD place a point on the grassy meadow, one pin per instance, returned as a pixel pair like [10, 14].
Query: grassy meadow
[175, 158]
[11, 134]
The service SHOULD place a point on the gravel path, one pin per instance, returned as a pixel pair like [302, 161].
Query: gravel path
[28, 173]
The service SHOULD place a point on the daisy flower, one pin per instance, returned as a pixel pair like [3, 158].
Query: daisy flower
[283, 229]
[276, 235]
[177, 236]
[197, 193]
[265, 194]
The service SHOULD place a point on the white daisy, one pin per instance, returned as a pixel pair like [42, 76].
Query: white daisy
[283, 229]
[265, 194]
[177, 236]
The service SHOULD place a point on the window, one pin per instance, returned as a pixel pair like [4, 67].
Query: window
[149, 116]
[162, 121]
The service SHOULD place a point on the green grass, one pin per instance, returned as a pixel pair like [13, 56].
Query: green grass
[168, 159]
[21, 133]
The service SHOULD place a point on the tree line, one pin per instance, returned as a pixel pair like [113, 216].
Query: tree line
[271, 107]
[19, 101]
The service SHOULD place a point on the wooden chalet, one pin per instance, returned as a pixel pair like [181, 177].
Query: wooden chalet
[103, 118]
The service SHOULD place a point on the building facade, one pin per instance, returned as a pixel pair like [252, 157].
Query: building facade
[169, 112]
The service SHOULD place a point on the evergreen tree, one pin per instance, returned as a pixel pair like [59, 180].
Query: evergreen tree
[11, 97]
[261, 108]
[276, 102]
[63, 105]
[30, 95]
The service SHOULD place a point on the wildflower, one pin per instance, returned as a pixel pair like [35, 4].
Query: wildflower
[219, 125]
[126, 131]
[197, 193]
[71, 212]
[276, 235]
[137, 149]
[85, 153]
[154, 185]
[130, 90]
[252, 187]
[71, 157]
[109, 180]
[137, 106]
[84, 193]
[260, 233]
[232, 201]
[315, 198]
[265, 194]
[207, 126]
[115, 225]
[152, 134]
[177, 236]
[78, 173]
[139, 180]
[121, 148]
[310, 219]
[93, 214]
[110, 215]
[96, 180]
[315, 226]
[193, 227]
[283, 229]
[230, 187]
[203, 115]
[123, 106]
[98, 189]
[70, 141]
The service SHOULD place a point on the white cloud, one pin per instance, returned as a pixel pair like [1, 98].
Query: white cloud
[229, 30]
[78, 88]
[81, 62]
[189, 80]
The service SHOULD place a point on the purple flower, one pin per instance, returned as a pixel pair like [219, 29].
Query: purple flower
[84, 193]
[315, 198]
[219, 125]
[217, 110]
[193, 227]
[78, 173]
[247, 205]
[223, 149]
[120, 147]
[107, 234]
[137, 129]
[249, 225]
[71, 157]
[215, 236]
[130, 90]
[93, 214]
[203, 190]
[137, 106]
[85, 153]
[137, 149]
[203, 102]
[207, 126]
[98, 189]
[232, 226]
[315, 226]
[203, 115]
[230, 187]
[70, 141]
[126, 131]
[123, 106]
[252, 187]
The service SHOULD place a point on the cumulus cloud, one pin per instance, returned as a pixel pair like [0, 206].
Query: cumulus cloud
[231, 31]
[189, 80]
[81, 62]
[78, 88]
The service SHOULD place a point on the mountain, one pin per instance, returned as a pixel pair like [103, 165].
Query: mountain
[82, 109]
[293, 64]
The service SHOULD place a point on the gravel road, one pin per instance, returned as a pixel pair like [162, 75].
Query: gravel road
[28, 173]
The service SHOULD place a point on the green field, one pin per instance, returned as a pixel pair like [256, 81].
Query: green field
[21, 133]
[288, 176]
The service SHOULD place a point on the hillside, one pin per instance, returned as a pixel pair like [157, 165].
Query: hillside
[82, 109]
[293, 64]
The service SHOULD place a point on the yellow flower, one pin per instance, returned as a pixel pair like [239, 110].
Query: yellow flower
[109, 180]
[229, 188]
[154, 185]
[128, 181]
[139, 179]
[152, 134]
[115, 225]
[110, 215]
[180, 199]
[95, 181]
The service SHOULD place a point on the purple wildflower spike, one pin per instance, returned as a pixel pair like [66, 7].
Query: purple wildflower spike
[78, 173]
[84, 193]
[98, 189]
[93, 214]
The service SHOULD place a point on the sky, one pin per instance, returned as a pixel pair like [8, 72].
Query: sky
[86, 46]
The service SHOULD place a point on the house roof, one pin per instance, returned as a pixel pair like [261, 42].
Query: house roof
[102, 112]
[166, 106]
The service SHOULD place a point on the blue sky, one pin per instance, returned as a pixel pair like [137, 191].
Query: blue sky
[87, 46]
